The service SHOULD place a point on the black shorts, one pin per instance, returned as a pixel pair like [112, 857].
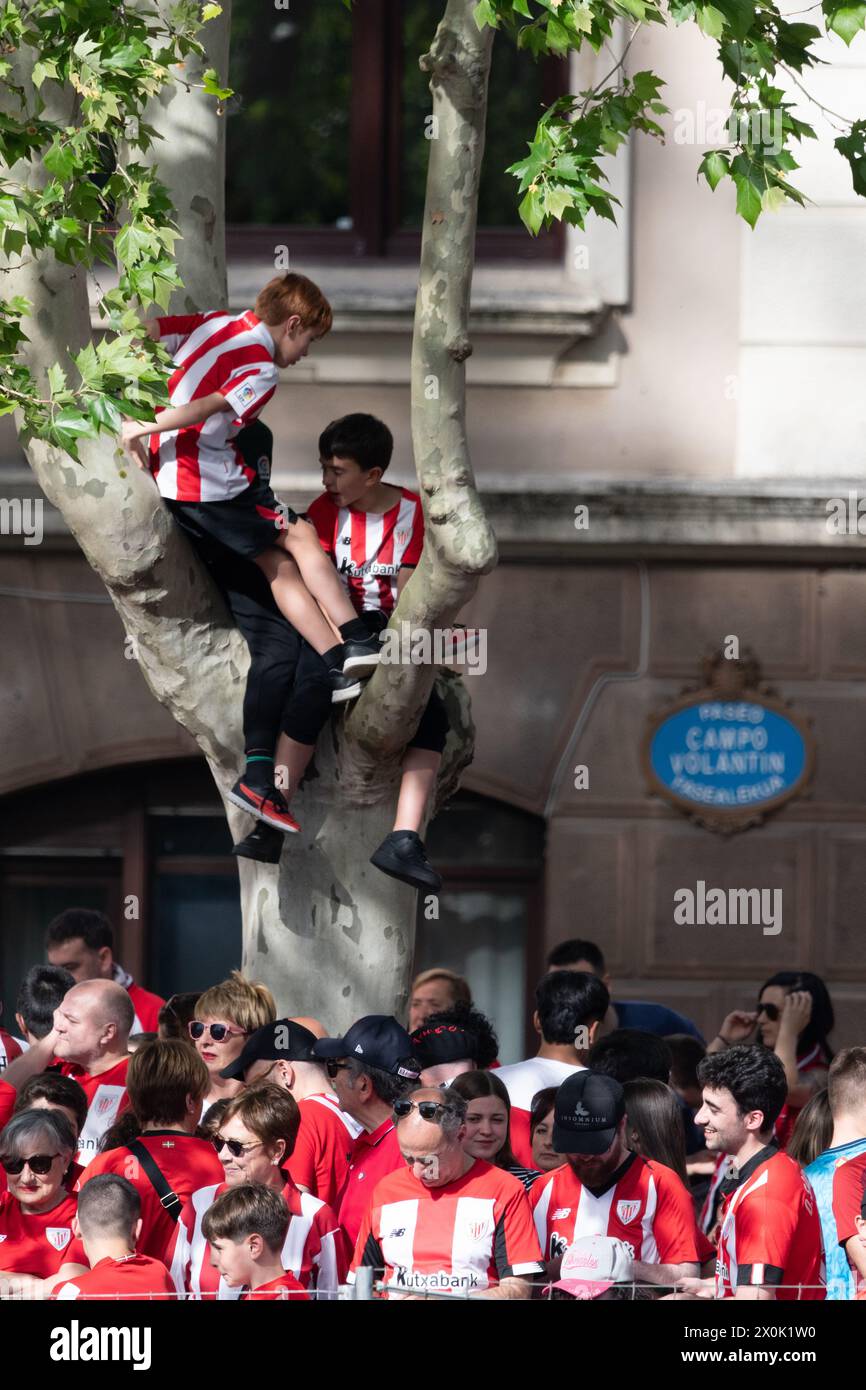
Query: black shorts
[246, 525]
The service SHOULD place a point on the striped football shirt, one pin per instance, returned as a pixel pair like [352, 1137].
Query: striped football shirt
[370, 548]
[233, 355]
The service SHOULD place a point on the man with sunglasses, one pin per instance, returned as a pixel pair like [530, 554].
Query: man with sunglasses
[370, 1068]
[282, 1053]
[446, 1223]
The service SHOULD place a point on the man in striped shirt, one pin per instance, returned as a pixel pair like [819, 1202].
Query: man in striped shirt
[226, 369]
[374, 534]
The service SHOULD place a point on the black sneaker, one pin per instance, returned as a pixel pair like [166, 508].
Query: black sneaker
[401, 855]
[264, 844]
[362, 657]
[342, 687]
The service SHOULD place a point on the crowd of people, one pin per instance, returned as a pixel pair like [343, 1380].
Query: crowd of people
[203, 1148]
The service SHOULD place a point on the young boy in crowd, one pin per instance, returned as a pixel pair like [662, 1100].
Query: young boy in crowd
[226, 370]
[246, 1228]
[108, 1220]
[374, 534]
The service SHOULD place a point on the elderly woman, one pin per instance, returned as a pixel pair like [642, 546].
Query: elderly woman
[225, 1015]
[37, 1210]
[255, 1137]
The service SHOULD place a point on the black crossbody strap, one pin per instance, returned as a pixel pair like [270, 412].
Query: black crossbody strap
[169, 1200]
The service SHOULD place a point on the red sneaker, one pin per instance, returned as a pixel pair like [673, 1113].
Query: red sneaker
[268, 805]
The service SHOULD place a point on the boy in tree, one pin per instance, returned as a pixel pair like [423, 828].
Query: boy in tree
[226, 370]
[374, 534]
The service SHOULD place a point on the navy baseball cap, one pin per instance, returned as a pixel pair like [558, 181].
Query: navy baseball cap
[586, 1112]
[283, 1041]
[379, 1040]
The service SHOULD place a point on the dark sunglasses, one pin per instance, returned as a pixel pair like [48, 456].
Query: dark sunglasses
[427, 1109]
[771, 1010]
[218, 1031]
[37, 1163]
[234, 1146]
[332, 1068]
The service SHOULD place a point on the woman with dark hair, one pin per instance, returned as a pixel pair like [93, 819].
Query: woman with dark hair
[654, 1126]
[544, 1155]
[488, 1115]
[37, 1210]
[794, 1018]
[813, 1130]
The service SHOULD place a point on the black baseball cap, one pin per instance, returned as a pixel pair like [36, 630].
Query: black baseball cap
[443, 1042]
[586, 1111]
[283, 1041]
[379, 1040]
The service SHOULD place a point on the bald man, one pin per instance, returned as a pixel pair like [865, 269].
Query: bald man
[447, 1224]
[89, 1042]
[281, 1052]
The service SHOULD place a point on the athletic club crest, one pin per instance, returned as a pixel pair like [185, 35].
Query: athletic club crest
[627, 1211]
[59, 1236]
[105, 1104]
[402, 537]
[479, 1229]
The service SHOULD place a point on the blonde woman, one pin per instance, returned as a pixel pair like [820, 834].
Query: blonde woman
[225, 1016]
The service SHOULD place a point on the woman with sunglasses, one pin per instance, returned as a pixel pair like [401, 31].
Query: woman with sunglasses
[225, 1016]
[794, 1018]
[255, 1138]
[36, 1210]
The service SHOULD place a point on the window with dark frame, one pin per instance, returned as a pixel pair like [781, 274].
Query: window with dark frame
[326, 148]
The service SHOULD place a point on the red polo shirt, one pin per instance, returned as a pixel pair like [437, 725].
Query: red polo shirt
[374, 1156]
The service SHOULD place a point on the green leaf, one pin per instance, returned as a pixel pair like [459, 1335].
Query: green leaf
[714, 167]
[56, 379]
[748, 200]
[211, 83]
[59, 160]
[484, 15]
[41, 70]
[636, 8]
[72, 422]
[556, 200]
[531, 212]
[210, 12]
[104, 412]
[710, 21]
[773, 199]
[848, 21]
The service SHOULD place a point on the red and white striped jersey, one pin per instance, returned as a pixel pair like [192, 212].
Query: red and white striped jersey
[106, 1099]
[9, 1050]
[464, 1237]
[771, 1231]
[314, 1250]
[320, 1159]
[369, 548]
[212, 352]
[647, 1207]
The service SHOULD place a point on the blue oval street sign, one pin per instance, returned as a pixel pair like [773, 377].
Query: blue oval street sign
[728, 755]
[727, 762]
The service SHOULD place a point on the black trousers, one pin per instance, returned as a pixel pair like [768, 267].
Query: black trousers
[287, 685]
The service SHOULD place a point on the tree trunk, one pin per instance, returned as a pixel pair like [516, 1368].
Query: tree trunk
[329, 934]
